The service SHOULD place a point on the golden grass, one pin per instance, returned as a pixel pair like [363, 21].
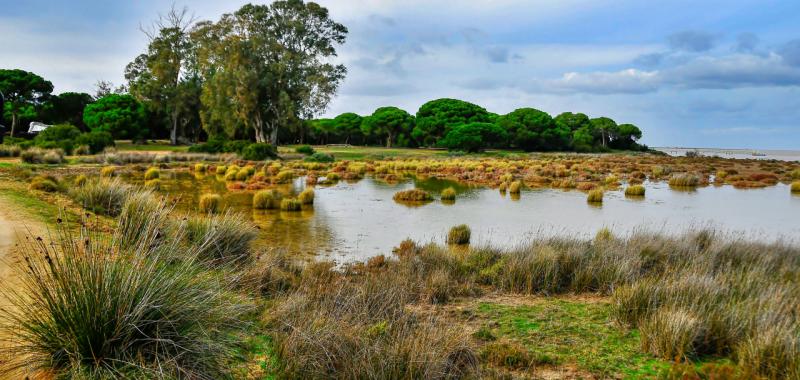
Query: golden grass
[210, 203]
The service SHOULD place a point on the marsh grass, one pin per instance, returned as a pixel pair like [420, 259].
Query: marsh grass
[595, 196]
[152, 173]
[37, 155]
[104, 196]
[795, 187]
[291, 204]
[684, 180]
[267, 200]
[108, 171]
[210, 203]
[48, 184]
[306, 196]
[90, 308]
[459, 235]
[515, 187]
[635, 191]
[154, 184]
[449, 194]
[413, 195]
[221, 239]
[80, 180]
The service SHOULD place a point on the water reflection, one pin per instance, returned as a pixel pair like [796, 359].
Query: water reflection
[358, 219]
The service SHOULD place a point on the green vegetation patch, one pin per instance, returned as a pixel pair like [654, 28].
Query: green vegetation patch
[567, 331]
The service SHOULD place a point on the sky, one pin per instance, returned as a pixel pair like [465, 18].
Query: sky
[708, 73]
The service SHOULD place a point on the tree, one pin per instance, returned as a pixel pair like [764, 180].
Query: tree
[68, 108]
[121, 115]
[583, 139]
[165, 76]
[24, 91]
[388, 123]
[269, 65]
[531, 129]
[347, 126]
[626, 137]
[605, 128]
[473, 137]
[572, 121]
[437, 117]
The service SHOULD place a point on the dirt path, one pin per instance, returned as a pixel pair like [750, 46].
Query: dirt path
[15, 223]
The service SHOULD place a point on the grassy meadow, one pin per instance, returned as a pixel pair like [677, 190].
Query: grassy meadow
[127, 285]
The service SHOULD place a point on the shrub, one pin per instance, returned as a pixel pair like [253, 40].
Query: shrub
[60, 136]
[459, 235]
[258, 152]
[305, 149]
[154, 184]
[80, 180]
[152, 173]
[684, 180]
[284, 176]
[221, 239]
[82, 150]
[97, 141]
[103, 197]
[213, 145]
[291, 204]
[200, 168]
[515, 187]
[210, 203]
[795, 187]
[108, 171]
[320, 157]
[635, 191]
[44, 183]
[306, 196]
[266, 200]
[449, 194]
[10, 150]
[413, 195]
[595, 196]
[37, 155]
[507, 354]
[123, 312]
[235, 146]
[672, 334]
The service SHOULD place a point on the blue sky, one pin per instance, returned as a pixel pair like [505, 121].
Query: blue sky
[689, 73]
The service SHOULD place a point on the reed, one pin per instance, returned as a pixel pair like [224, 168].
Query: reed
[413, 195]
[267, 200]
[595, 196]
[210, 203]
[306, 196]
[449, 194]
[459, 235]
[635, 191]
[291, 204]
[223, 239]
[103, 197]
[684, 180]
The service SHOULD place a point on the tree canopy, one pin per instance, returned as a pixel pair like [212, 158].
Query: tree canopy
[531, 129]
[24, 91]
[474, 137]
[388, 123]
[437, 117]
[121, 115]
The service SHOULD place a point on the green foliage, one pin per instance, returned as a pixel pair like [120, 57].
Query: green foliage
[61, 136]
[473, 137]
[121, 115]
[97, 141]
[305, 149]
[437, 117]
[320, 157]
[531, 129]
[67, 108]
[347, 126]
[235, 146]
[389, 123]
[459, 235]
[23, 90]
[259, 152]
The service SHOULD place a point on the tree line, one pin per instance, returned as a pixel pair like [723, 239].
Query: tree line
[263, 73]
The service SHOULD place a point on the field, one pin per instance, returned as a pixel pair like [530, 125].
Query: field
[195, 289]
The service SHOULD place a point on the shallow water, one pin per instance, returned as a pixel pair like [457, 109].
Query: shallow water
[769, 154]
[354, 221]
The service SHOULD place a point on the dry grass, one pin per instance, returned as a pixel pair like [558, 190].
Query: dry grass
[459, 235]
[635, 191]
[413, 195]
[210, 203]
[267, 200]
[595, 196]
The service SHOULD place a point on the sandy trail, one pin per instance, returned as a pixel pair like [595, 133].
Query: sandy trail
[15, 224]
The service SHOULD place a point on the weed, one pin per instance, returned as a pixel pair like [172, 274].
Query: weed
[459, 235]
[210, 203]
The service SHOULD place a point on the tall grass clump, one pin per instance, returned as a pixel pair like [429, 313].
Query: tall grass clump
[37, 155]
[108, 171]
[795, 187]
[10, 150]
[267, 200]
[413, 195]
[210, 203]
[684, 180]
[306, 196]
[459, 235]
[449, 194]
[221, 239]
[635, 191]
[595, 196]
[105, 196]
[48, 184]
[80, 180]
[515, 187]
[291, 204]
[142, 213]
[89, 308]
[152, 173]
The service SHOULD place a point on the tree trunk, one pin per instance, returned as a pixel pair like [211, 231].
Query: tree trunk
[273, 136]
[389, 141]
[173, 134]
[13, 123]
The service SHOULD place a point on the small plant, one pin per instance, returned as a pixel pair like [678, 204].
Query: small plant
[284, 176]
[80, 180]
[306, 197]
[413, 195]
[210, 203]
[684, 180]
[221, 239]
[154, 184]
[595, 196]
[47, 184]
[449, 194]
[291, 204]
[484, 334]
[515, 187]
[635, 191]
[108, 171]
[320, 157]
[200, 168]
[305, 149]
[267, 200]
[152, 173]
[795, 187]
[507, 354]
[459, 235]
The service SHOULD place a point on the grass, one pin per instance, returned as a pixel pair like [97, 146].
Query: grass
[448, 194]
[102, 196]
[595, 196]
[459, 235]
[413, 195]
[306, 196]
[684, 180]
[210, 203]
[267, 200]
[635, 191]
[221, 239]
[159, 146]
[291, 204]
[42, 156]
[152, 173]
[795, 187]
[515, 187]
[47, 184]
[156, 320]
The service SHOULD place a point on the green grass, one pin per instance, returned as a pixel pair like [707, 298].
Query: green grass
[159, 146]
[43, 211]
[576, 332]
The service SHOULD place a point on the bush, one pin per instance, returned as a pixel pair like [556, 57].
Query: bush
[258, 152]
[449, 194]
[152, 173]
[97, 141]
[684, 180]
[82, 150]
[795, 187]
[42, 156]
[123, 312]
[44, 183]
[320, 157]
[235, 146]
[60, 136]
[210, 203]
[459, 235]
[635, 191]
[306, 196]
[413, 195]
[515, 187]
[80, 180]
[10, 150]
[221, 239]
[291, 204]
[267, 200]
[595, 196]
[305, 149]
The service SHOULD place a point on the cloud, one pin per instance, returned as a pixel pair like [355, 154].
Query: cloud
[649, 60]
[790, 53]
[746, 43]
[497, 54]
[738, 70]
[691, 41]
[629, 81]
